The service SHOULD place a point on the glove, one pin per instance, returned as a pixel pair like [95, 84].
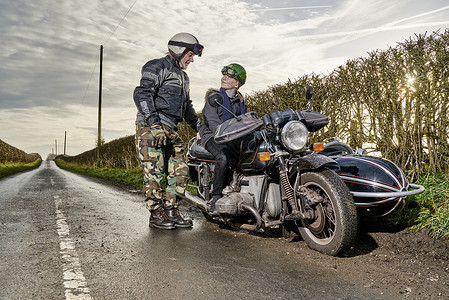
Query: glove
[158, 134]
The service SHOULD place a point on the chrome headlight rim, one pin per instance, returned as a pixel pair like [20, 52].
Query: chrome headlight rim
[300, 132]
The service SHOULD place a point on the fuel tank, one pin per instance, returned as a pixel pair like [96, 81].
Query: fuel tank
[250, 161]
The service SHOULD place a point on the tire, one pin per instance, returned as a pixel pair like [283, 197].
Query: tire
[334, 228]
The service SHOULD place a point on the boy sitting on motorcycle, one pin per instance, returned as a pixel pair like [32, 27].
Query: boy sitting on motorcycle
[234, 76]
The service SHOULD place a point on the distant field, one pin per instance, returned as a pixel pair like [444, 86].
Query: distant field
[10, 154]
[13, 160]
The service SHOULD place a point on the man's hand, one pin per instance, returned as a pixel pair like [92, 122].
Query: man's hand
[158, 135]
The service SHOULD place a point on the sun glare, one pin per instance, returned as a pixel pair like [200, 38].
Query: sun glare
[410, 79]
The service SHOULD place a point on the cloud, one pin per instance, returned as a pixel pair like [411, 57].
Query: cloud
[429, 13]
[49, 55]
[290, 8]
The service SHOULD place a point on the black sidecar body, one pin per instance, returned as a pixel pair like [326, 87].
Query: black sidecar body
[379, 186]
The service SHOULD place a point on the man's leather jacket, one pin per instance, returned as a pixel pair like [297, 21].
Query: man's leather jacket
[163, 96]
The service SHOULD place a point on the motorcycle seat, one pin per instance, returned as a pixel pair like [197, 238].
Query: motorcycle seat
[198, 151]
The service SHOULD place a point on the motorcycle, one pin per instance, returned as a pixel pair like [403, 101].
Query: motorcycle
[282, 182]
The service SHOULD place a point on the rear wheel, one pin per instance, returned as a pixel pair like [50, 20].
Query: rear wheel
[333, 228]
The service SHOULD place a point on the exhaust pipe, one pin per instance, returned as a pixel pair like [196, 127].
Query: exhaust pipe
[256, 215]
[196, 201]
[201, 204]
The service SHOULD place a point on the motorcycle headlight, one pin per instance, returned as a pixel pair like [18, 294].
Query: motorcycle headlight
[294, 135]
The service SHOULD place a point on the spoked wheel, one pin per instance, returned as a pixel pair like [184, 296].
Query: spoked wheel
[333, 228]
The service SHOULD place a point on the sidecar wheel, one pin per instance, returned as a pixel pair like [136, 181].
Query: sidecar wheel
[334, 228]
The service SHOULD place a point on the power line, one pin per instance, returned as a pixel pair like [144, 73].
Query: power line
[112, 33]
[96, 63]
[90, 80]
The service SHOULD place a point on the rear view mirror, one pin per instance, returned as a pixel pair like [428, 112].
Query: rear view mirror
[309, 92]
[215, 99]
[310, 95]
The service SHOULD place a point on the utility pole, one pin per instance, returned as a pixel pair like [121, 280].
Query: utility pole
[56, 146]
[65, 140]
[99, 107]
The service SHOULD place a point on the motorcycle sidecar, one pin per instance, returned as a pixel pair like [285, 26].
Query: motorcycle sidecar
[379, 186]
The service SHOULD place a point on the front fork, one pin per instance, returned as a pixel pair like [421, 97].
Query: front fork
[290, 196]
[287, 192]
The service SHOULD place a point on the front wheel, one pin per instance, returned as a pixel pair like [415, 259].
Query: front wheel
[333, 228]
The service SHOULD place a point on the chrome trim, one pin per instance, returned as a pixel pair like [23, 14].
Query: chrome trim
[370, 182]
[189, 145]
[375, 203]
[417, 189]
[401, 201]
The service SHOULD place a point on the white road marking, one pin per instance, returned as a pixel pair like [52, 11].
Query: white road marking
[74, 281]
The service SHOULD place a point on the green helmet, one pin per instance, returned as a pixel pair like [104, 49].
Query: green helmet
[235, 71]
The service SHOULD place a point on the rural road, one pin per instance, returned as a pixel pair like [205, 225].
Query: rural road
[66, 236]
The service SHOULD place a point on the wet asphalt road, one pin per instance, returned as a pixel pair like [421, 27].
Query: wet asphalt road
[64, 235]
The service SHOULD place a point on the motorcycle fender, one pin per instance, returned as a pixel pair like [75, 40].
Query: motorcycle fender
[313, 161]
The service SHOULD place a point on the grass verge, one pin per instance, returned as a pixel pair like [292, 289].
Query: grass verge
[434, 203]
[127, 176]
[13, 168]
[429, 210]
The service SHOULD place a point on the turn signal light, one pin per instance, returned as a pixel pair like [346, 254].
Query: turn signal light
[318, 147]
[264, 156]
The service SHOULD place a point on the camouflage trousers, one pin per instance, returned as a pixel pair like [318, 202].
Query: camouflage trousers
[165, 169]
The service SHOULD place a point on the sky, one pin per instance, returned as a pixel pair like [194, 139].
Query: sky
[50, 54]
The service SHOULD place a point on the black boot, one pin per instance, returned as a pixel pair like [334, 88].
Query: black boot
[159, 219]
[174, 215]
[212, 209]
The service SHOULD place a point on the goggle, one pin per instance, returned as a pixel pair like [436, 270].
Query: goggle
[195, 48]
[231, 73]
